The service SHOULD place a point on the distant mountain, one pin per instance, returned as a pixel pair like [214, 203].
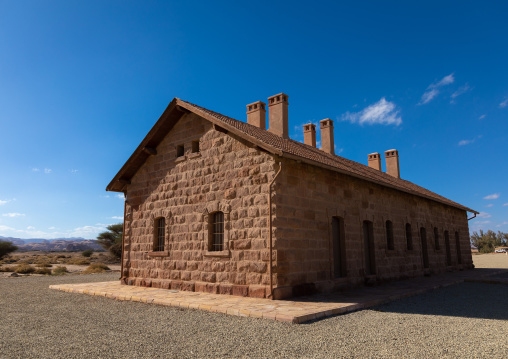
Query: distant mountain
[39, 240]
[54, 245]
[15, 241]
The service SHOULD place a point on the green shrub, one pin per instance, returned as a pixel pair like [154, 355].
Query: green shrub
[24, 268]
[6, 248]
[46, 271]
[60, 270]
[88, 253]
[96, 268]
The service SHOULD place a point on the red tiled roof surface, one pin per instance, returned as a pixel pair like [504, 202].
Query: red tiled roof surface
[319, 157]
[270, 142]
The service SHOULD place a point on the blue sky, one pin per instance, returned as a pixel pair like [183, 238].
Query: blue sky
[82, 82]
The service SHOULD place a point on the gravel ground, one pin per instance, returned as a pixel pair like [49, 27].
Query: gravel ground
[466, 320]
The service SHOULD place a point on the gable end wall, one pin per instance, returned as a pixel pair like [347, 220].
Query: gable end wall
[228, 175]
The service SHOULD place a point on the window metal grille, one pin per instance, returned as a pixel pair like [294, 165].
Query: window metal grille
[217, 243]
[160, 226]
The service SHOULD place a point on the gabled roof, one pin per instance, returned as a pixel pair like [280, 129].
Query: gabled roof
[270, 142]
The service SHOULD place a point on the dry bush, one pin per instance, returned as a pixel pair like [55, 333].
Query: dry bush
[42, 260]
[77, 261]
[96, 268]
[59, 270]
[46, 271]
[6, 269]
[24, 268]
[44, 265]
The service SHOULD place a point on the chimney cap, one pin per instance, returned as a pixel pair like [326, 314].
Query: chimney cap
[374, 155]
[309, 127]
[391, 153]
[275, 99]
[326, 123]
[255, 106]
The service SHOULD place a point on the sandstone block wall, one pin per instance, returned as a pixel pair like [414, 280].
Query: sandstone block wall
[226, 174]
[306, 198]
[230, 175]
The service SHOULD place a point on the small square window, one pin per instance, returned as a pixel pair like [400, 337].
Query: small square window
[179, 151]
[195, 146]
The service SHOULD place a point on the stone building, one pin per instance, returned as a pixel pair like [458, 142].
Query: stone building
[218, 205]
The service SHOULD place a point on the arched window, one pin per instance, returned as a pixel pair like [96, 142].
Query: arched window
[160, 234]
[436, 238]
[409, 237]
[217, 232]
[389, 235]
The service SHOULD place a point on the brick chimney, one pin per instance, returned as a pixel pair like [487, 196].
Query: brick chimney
[256, 114]
[278, 115]
[392, 163]
[309, 134]
[375, 161]
[327, 136]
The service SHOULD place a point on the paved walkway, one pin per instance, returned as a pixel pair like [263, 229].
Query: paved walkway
[300, 310]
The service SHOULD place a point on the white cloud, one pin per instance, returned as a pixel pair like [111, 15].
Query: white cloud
[87, 231]
[120, 196]
[482, 222]
[12, 215]
[504, 103]
[382, 112]
[482, 117]
[467, 142]
[461, 90]
[506, 204]
[432, 91]
[489, 205]
[74, 171]
[2, 202]
[48, 170]
[445, 81]
[428, 96]
[492, 196]
[484, 215]
[31, 232]
[35, 169]
[116, 217]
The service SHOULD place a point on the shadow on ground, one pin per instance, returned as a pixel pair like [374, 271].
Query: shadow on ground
[468, 300]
